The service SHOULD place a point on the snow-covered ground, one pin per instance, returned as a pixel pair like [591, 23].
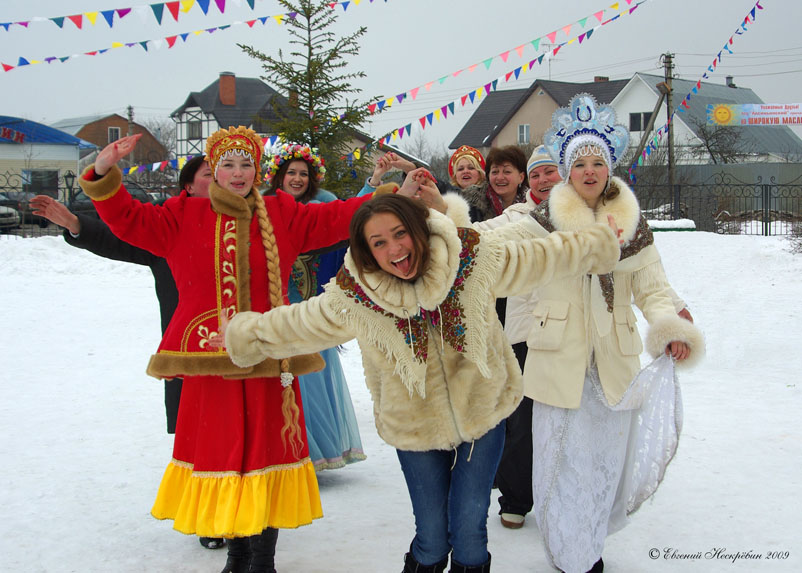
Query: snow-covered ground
[84, 444]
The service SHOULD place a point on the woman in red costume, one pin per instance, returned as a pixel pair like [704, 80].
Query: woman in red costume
[240, 466]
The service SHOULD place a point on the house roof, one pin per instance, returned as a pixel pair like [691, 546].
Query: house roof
[73, 125]
[254, 99]
[498, 107]
[763, 139]
[35, 132]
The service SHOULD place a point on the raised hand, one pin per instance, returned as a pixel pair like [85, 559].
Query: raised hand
[115, 151]
[55, 212]
[611, 223]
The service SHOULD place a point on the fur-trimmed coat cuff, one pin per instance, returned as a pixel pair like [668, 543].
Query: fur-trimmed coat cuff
[670, 328]
[103, 188]
[457, 209]
[242, 342]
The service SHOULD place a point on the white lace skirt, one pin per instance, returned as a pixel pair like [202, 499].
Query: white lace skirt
[595, 465]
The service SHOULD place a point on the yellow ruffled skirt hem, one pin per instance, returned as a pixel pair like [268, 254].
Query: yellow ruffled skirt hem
[230, 504]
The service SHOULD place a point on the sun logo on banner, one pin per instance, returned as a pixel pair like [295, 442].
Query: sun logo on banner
[721, 114]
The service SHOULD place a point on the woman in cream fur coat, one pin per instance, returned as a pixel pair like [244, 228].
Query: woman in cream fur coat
[584, 346]
[417, 291]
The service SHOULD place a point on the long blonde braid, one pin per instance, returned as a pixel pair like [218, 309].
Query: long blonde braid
[289, 407]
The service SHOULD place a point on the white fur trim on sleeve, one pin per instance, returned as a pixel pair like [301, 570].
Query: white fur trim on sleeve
[670, 328]
[457, 209]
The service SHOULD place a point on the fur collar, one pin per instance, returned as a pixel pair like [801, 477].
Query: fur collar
[569, 212]
[403, 298]
[228, 203]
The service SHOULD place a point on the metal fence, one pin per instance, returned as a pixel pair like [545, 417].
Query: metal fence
[728, 205]
[723, 203]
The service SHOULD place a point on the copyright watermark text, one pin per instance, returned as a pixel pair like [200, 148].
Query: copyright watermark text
[718, 554]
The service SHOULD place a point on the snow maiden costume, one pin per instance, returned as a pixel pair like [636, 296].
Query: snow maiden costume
[440, 372]
[332, 431]
[240, 461]
[583, 356]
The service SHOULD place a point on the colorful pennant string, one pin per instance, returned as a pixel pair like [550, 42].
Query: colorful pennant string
[685, 103]
[504, 56]
[478, 92]
[174, 9]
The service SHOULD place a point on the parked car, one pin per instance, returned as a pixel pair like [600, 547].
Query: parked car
[10, 218]
[81, 203]
[19, 200]
[159, 197]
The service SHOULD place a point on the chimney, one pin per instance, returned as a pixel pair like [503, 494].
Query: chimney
[730, 83]
[228, 88]
[598, 79]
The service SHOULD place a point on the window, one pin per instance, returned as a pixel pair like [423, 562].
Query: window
[114, 134]
[639, 121]
[38, 181]
[523, 134]
[194, 130]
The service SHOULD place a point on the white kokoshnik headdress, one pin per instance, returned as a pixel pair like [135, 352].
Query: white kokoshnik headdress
[585, 128]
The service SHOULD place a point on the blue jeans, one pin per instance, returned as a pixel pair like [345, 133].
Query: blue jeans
[450, 505]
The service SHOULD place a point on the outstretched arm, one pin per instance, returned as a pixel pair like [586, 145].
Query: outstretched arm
[309, 326]
[533, 262]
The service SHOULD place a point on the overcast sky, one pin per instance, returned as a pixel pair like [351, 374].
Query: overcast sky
[408, 44]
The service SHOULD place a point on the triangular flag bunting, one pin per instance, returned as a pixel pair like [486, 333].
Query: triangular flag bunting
[614, 6]
[173, 8]
[583, 21]
[429, 117]
[204, 4]
[279, 18]
[540, 59]
[422, 120]
[372, 108]
[567, 29]
[400, 133]
[441, 80]
[472, 68]
[557, 49]
[472, 95]
[451, 108]
[59, 22]
[487, 63]
[171, 40]
[504, 56]
[536, 44]
[444, 111]
[463, 98]
[552, 37]
[158, 10]
[221, 5]
[23, 62]
[517, 72]
[7, 68]
[77, 19]
[581, 37]
[520, 51]
[507, 76]
[400, 98]
[495, 83]
[428, 86]
[345, 7]
[144, 45]
[458, 72]
[437, 114]
[381, 105]
[589, 34]
[599, 15]
[91, 16]
[186, 5]
[123, 12]
[109, 16]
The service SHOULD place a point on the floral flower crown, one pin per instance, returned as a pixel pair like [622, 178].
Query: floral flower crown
[290, 152]
[580, 126]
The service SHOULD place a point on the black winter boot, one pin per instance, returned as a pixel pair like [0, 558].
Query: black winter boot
[263, 551]
[412, 566]
[457, 567]
[239, 555]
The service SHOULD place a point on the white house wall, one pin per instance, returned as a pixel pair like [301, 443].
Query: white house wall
[638, 97]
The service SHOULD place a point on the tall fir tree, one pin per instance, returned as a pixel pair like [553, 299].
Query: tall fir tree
[321, 109]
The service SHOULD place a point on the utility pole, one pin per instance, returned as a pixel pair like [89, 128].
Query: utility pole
[668, 64]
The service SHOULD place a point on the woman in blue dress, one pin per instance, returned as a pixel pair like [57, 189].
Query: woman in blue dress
[331, 425]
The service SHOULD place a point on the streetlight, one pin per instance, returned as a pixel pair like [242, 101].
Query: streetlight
[69, 181]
